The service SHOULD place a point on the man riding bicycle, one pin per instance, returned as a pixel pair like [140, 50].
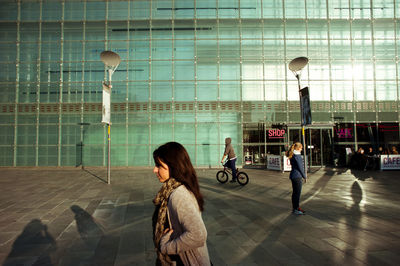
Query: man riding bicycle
[231, 162]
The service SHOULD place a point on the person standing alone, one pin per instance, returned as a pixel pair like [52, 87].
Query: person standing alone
[296, 175]
[231, 162]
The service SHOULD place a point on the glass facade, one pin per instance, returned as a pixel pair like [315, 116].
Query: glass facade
[192, 71]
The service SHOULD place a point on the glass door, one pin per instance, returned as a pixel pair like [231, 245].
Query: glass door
[318, 142]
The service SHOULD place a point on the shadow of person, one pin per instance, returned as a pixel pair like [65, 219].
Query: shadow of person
[33, 246]
[88, 229]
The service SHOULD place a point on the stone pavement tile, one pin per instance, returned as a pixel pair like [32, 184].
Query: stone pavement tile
[315, 243]
[386, 256]
[6, 237]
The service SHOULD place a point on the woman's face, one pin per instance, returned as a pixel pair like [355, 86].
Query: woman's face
[162, 172]
[299, 148]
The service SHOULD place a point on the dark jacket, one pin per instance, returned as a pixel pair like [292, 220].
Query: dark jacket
[297, 167]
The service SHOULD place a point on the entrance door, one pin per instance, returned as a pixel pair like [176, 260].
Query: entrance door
[318, 142]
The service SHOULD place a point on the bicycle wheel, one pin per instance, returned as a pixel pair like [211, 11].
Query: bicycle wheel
[242, 178]
[222, 176]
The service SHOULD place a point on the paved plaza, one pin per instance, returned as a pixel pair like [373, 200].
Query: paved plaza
[68, 216]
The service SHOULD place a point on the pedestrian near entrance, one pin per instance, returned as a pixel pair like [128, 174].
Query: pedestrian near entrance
[179, 233]
[297, 175]
[231, 162]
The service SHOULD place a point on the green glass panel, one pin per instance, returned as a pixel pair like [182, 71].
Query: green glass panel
[338, 9]
[119, 155]
[140, 9]
[48, 156]
[138, 118]
[342, 90]
[272, 9]
[48, 135]
[185, 133]
[229, 117]
[386, 90]
[206, 49]
[161, 92]
[316, 9]
[184, 49]
[6, 135]
[229, 91]
[26, 135]
[26, 156]
[206, 69]
[139, 155]
[93, 155]
[184, 117]
[184, 91]
[295, 9]
[206, 9]
[118, 134]
[207, 91]
[275, 91]
[184, 70]
[161, 70]
[208, 155]
[71, 134]
[30, 10]
[95, 134]
[118, 10]
[228, 8]
[73, 10]
[183, 9]
[340, 29]
[252, 90]
[6, 156]
[207, 133]
[95, 10]
[252, 49]
[164, 117]
[71, 155]
[161, 133]
[161, 49]
[206, 117]
[138, 70]
[8, 72]
[7, 119]
[138, 134]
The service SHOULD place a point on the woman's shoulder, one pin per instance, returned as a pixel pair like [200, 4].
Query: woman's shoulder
[181, 192]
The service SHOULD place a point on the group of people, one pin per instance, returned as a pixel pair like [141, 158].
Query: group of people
[369, 160]
[179, 233]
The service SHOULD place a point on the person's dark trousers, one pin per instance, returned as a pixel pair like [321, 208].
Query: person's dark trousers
[296, 184]
[232, 164]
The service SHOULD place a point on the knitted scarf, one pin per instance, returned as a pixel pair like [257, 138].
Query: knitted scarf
[160, 222]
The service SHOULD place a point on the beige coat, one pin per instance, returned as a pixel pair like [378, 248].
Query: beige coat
[189, 232]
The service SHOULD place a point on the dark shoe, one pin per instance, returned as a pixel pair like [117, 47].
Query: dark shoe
[297, 212]
[300, 209]
[233, 181]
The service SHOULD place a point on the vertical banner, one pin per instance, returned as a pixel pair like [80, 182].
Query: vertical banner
[106, 112]
[305, 107]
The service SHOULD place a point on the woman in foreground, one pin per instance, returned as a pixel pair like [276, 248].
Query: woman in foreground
[179, 233]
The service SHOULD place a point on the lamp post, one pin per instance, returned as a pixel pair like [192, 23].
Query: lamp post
[296, 66]
[111, 61]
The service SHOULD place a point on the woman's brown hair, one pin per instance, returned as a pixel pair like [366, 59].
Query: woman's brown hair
[294, 146]
[176, 157]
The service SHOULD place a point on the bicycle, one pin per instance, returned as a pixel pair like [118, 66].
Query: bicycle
[241, 177]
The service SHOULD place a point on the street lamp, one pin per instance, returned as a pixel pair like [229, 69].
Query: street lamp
[111, 61]
[296, 66]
